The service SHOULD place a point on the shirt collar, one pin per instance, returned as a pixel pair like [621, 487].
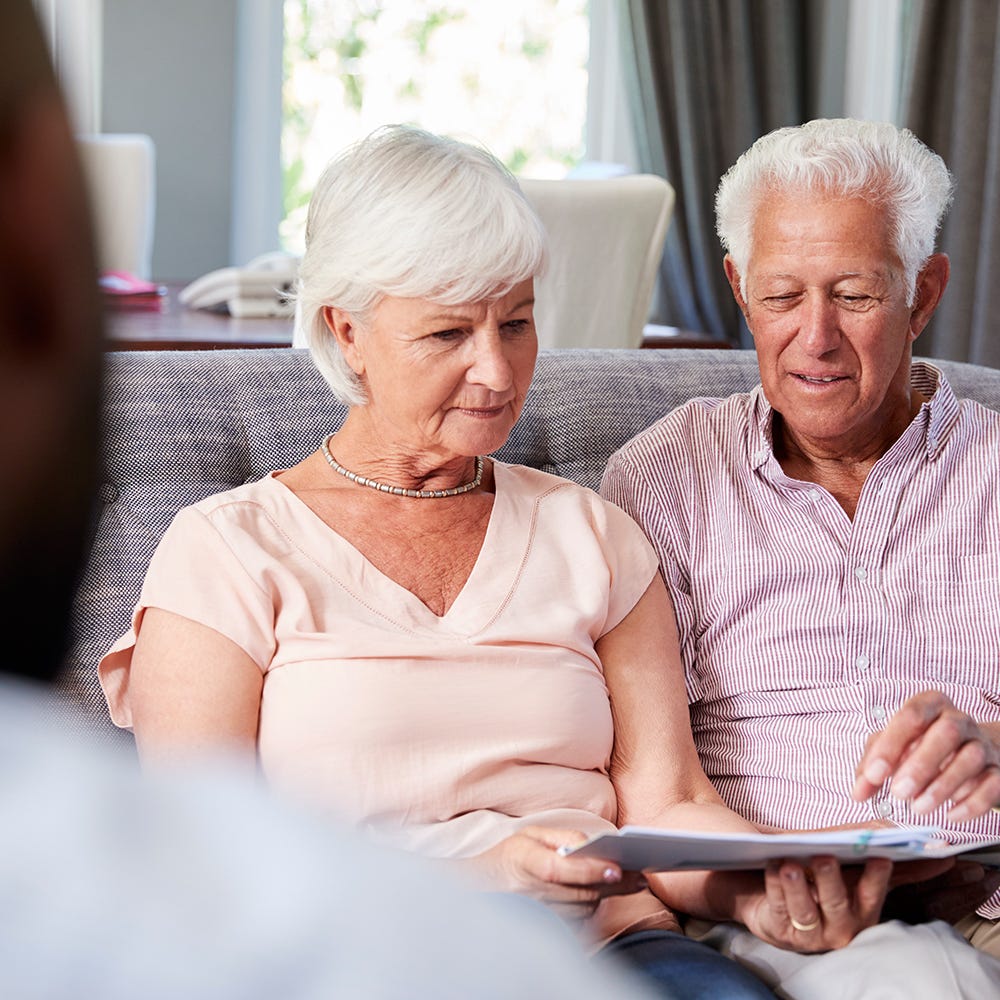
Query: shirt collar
[938, 414]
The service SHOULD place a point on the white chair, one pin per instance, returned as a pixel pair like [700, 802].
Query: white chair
[121, 177]
[605, 242]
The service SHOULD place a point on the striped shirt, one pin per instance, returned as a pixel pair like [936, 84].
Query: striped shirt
[803, 631]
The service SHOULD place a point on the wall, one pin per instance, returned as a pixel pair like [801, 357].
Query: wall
[168, 71]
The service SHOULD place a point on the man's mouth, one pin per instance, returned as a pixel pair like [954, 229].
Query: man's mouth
[818, 379]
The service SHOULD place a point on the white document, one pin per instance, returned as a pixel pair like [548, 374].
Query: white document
[638, 848]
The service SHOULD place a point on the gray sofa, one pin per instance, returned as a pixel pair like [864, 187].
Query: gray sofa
[180, 426]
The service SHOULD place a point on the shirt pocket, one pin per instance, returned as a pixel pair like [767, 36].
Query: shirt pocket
[961, 620]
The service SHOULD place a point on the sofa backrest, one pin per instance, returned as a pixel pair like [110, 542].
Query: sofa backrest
[180, 426]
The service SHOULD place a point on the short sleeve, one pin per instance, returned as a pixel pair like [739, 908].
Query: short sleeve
[197, 574]
[624, 485]
[631, 561]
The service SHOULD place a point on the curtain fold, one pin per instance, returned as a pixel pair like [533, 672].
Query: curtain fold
[952, 102]
[710, 77]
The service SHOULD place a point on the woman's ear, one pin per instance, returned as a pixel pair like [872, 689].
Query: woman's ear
[931, 283]
[341, 325]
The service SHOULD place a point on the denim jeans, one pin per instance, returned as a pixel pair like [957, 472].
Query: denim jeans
[677, 968]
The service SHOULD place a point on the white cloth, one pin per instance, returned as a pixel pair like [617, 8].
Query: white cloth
[890, 961]
[196, 884]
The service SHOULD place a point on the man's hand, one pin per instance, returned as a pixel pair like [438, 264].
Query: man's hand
[949, 897]
[933, 752]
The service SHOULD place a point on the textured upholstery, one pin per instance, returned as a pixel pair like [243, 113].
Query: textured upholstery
[180, 426]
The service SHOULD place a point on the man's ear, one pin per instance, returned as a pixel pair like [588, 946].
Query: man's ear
[931, 283]
[734, 277]
[341, 325]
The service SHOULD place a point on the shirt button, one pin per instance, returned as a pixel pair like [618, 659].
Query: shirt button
[884, 809]
[878, 711]
[761, 456]
[861, 662]
[861, 573]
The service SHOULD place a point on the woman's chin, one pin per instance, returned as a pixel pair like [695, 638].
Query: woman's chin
[485, 438]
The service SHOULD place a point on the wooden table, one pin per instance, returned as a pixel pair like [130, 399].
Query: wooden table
[172, 327]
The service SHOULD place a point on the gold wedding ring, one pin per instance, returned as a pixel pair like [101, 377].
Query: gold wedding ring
[804, 927]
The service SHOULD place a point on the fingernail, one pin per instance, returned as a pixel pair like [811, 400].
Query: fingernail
[611, 875]
[877, 771]
[903, 788]
[959, 814]
[922, 805]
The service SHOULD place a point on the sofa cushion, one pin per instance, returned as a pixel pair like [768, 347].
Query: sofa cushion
[180, 426]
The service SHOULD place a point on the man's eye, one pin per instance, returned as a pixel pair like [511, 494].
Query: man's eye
[447, 334]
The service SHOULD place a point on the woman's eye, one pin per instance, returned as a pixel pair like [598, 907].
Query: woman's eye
[447, 335]
[516, 325]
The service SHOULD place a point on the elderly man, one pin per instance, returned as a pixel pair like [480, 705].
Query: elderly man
[831, 540]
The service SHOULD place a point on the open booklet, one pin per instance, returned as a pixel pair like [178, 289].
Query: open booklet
[638, 848]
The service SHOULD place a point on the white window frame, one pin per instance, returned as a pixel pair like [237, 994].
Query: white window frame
[257, 184]
[874, 60]
[610, 134]
[74, 30]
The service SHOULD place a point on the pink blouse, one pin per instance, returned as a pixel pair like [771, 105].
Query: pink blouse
[441, 735]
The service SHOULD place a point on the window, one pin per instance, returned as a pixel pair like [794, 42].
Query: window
[512, 76]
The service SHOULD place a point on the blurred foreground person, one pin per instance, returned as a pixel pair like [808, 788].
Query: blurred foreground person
[191, 885]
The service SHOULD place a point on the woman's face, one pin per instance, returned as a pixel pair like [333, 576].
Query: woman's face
[444, 381]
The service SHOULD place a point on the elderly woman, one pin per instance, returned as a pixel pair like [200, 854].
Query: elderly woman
[428, 641]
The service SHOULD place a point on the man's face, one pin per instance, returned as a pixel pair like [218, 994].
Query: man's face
[826, 304]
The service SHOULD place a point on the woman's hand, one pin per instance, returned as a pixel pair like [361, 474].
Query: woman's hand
[528, 862]
[933, 752]
[818, 913]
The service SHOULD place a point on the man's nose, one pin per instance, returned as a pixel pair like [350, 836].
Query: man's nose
[819, 330]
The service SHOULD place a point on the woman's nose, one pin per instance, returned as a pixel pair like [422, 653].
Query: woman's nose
[490, 365]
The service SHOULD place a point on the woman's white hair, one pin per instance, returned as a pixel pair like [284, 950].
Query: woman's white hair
[886, 165]
[411, 214]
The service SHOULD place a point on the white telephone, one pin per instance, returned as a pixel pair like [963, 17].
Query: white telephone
[262, 288]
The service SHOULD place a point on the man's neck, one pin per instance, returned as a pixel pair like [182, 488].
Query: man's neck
[840, 467]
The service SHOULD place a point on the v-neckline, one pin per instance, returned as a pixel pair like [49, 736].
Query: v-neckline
[481, 597]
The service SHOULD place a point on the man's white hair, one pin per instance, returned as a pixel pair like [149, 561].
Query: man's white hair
[843, 157]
